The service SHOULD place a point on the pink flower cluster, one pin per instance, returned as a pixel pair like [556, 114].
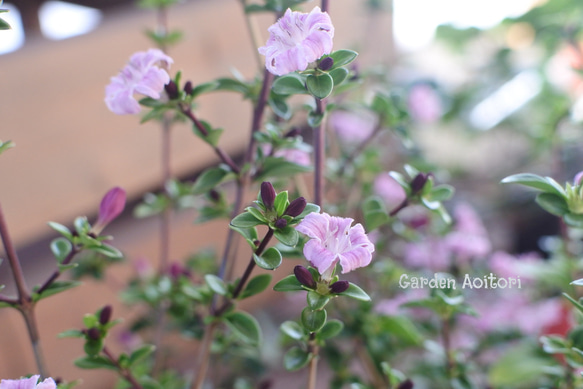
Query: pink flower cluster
[28, 383]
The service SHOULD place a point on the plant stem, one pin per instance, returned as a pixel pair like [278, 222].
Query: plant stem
[319, 156]
[445, 337]
[325, 4]
[57, 273]
[360, 148]
[313, 368]
[125, 373]
[369, 365]
[25, 303]
[204, 356]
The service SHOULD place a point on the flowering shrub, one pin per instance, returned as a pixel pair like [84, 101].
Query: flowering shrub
[377, 266]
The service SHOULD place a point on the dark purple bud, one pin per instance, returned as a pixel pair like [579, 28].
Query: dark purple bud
[93, 333]
[407, 384]
[267, 194]
[296, 207]
[292, 133]
[339, 287]
[214, 195]
[256, 242]
[326, 63]
[111, 206]
[280, 223]
[418, 182]
[265, 384]
[105, 315]
[188, 87]
[304, 276]
[172, 90]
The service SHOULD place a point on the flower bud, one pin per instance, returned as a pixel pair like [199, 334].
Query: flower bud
[296, 207]
[93, 333]
[111, 206]
[326, 63]
[304, 276]
[267, 194]
[280, 223]
[214, 195]
[176, 270]
[188, 87]
[407, 384]
[292, 133]
[105, 315]
[339, 287]
[418, 182]
[172, 90]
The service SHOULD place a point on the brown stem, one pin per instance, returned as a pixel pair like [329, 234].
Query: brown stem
[445, 337]
[319, 156]
[32, 327]
[313, 368]
[325, 4]
[8, 300]
[52, 278]
[204, 356]
[23, 294]
[365, 359]
[125, 373]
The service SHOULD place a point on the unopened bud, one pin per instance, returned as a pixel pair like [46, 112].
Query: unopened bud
[407, 384]
[292, 133]
[267, 194]
[105, 315]
[326, 63]
[188, 88]
[339, 287]
[418, 182]
[296, 207]
[93, 333]
[304, 276]
[111, 206]
[280, 223]
[214, 195]
[171, 90]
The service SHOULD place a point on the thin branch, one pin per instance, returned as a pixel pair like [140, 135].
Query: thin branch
[52, 278]
[313, 368]
[23, 293]
[125, 373]
[319, 156]
[325, 4]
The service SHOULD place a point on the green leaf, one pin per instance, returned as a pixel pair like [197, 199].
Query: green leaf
[290, 84]
[578, 282]
[96, 362]
[280, 107]
[293, 330]
[320, 86]
[8, 144]
[216, 284]
[575, 303]
[295, 358]
[61, 248]
[61, 229]
[546, 184]
[288, 284]
[573, 220]
[281, 202]
[309, 209]
[4, 25]
[338, 75]
[256, 285]
[203, 88]
[287, 236]
[330, 329]
[230, 84]
[343, 57]
[441, 193]
[518, 367]
[402, 328]
[270, 260]
[355, 292]
[245, 220]
[375, 213]
[107, 250]
[552, 203]
[279, 168]
[256, 213]
[315, 118]
[54, 288]
[245, 326]
[316, 301]
[209, 179]
[71, 334]
[141, 353]
[313, 320]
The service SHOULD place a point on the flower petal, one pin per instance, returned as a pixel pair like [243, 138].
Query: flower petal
[355, 258]
[314, 225]
[321, 258]
[24, 383]
[49, 383]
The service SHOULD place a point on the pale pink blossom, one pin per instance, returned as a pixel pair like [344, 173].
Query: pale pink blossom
[296, 40]
[424, 103]
[578, 178]
[28, 383]
[352, 127]
[141, 75]
[389, 190]
[505, 265]
[297, 156]
[334, 240]
[430, 253]
[469, 238]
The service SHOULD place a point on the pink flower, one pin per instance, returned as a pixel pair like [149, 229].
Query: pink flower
[505, 265]
[469, 238]
[297, 156]
[333, 240]
[389, 190]
[28, 383]
[424, 103]
[111, 206]
[430, 253]
[352, 127]
[296, 40]
[141, 75]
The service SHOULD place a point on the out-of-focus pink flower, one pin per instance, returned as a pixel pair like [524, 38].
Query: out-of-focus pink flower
[469, 239]
[140, 75]
[578, 178]
[505, 265]
[143, 268]
[28, 383]
[333, 240]
[352, 127]
[392, 307]
[130, 341]
[296, 40]
[111, 206]
[389, 190]
[424, 103]
[297, 156]
[430, 253]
